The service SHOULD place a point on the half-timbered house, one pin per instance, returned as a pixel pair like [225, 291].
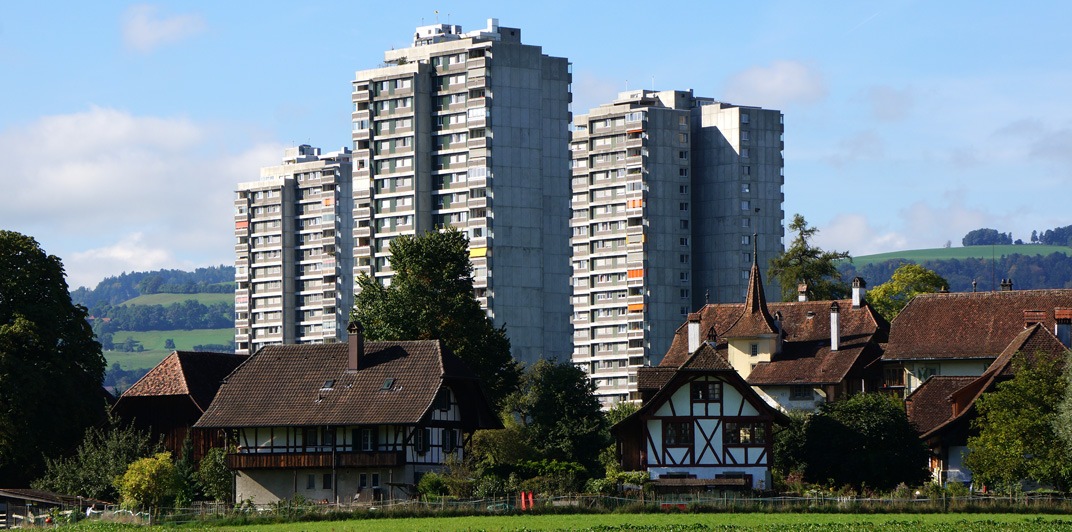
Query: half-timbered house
[348, 421]
[701, 427]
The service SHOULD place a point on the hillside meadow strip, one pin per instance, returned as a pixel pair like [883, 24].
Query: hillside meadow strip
[967, 252]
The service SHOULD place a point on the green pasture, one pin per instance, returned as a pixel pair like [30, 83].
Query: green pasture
[658, 522]
[969, 252]
[153, 341]
[168, 299]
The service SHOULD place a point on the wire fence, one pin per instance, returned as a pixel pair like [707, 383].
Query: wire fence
[301, 510]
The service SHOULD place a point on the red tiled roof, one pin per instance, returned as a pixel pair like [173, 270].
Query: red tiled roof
[285, 385]
[191, 373]
[1033, 341]
[929, 405]
[967, 325]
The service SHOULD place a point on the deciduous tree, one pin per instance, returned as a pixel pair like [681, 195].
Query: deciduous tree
[51, 368]
[1016, 437]
[431, 297]
[805, 263]
[214, 475]
[148, 482]
[908, 281]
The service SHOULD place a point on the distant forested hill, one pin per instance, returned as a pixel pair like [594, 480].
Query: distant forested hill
[115, 290]
[1027, 270]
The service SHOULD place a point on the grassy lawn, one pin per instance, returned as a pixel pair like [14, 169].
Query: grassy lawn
[981, 252]
[669, 521]
[153, 341]
[167, 299]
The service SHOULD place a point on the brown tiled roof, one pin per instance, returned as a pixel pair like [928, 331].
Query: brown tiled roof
[967, 325]
[814, 362]
[285, 385]
[1033, 341]
[802, 321]
[653, 378]
[929, 405]
[191, 373]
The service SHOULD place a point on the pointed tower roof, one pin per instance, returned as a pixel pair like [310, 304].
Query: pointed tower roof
[756, 319]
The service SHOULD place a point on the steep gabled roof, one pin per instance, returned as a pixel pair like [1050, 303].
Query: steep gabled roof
[308, 385]
[186, 373]
[960, 402]
[929, 405]
[756, 319]
[968, 325]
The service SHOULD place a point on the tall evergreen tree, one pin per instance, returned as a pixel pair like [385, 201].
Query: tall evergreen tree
[805, 263]
[51, 368]
[431, 297]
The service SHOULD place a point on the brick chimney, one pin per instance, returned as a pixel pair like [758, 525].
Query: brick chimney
[694, 332]
[356, 342]
[859, 289]
[1031, 317]
[835, 326]
[802, 292]
[778, 322]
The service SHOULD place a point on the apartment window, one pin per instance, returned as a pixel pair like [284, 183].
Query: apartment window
[746, 170]
[683, 172]
[745, 274]
[744, 136]
[684, 311]
[683, 276]
[684, 224]
[746, 239]
[684, 293]
[744, 118]
[744, 153]
[684, 241]
[746, 222]
[746, 205]
[683, 137]
[683, 155]
[683, 258]
[706, 392]
[677, 433]
[746, 188]
[684, 189]
[746, 257]
[753, 349]
[683, 206]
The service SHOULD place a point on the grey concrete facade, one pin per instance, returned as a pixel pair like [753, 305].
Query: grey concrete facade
[471, 130]
[667, 191]
[293, 271]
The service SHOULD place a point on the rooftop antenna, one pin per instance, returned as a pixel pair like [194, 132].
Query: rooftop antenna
[437, 16]
[653, 84]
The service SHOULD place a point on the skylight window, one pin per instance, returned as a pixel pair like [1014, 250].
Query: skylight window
[388, 383]
[328, 384]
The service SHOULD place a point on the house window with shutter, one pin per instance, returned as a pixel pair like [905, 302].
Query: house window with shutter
[450, 440]
[421, 438]
[367, 439]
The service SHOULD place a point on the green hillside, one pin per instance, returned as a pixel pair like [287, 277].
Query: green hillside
[969, 252]
[153, 342]
[168, 299]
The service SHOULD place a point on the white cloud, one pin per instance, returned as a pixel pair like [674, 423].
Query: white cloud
[779, 85]
[109, 192]
[862, 146]
[853, 232]
[889, 104]
[144, 29]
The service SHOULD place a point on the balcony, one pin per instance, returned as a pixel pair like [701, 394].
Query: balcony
[311, 460]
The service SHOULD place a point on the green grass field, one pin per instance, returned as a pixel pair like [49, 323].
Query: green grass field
[168, 299]
[153, 341]
[658, 522]
[982, 252]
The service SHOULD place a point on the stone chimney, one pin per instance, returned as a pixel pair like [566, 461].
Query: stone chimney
[356, 342]
[778, 325]
[694, 332]
[835, 326]
[859, 290]
[802, 292]
[1006, 285]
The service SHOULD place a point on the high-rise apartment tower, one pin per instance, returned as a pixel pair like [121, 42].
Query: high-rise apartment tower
[471, 130]
[668, 192]
[293, 268]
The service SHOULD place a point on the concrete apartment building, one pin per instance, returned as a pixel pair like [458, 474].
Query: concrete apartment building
[293, 265]
[471, 130]
[668, 192]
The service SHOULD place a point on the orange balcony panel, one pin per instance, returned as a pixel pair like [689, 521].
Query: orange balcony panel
[636, 274]
[636, 307]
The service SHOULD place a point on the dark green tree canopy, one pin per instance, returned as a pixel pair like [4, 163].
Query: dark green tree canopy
[908, 281]
[559, 414]
[1018, 428]
[51, 368]
[986, 237]
[863, 440]
[804, 263]
[431, 297]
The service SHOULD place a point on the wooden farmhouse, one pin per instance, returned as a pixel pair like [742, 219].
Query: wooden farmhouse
[346, 422]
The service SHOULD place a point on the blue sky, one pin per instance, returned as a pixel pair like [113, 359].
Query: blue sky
[124, 127]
